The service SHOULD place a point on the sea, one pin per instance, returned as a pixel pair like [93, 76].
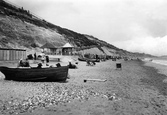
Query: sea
[159, 60]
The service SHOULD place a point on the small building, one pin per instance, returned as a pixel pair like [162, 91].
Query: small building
[52, 48]
[67, 49]
[12, 54]
[49, 48]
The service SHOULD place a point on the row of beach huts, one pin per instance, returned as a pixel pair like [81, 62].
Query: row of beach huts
[12, 54]
[7, 54]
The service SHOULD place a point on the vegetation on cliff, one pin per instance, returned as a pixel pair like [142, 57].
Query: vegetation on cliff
[21, 29]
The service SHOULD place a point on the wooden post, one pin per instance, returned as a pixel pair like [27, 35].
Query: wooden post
[100, 80]
[1, 55]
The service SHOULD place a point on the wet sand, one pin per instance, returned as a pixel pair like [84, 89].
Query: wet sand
[134, 90]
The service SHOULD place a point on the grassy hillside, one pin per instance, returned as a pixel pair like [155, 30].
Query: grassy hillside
[23, 25]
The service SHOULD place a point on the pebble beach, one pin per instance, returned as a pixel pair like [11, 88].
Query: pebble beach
[139, 88]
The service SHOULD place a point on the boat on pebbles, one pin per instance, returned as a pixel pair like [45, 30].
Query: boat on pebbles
[36, 74]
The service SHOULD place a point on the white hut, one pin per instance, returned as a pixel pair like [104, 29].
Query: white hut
[67, 49]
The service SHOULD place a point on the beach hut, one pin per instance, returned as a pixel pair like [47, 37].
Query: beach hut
[49, 48]
[67, 49]
[12, 54]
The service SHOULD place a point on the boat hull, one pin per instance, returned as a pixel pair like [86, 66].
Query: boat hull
[35, 74]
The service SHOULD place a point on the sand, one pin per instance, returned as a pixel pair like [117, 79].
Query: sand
[134, 90]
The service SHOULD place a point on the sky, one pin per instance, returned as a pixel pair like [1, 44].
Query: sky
[132, 25]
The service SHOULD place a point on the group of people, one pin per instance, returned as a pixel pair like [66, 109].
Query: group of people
[23, 63]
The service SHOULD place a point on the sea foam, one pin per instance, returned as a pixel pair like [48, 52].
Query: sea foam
[162, 62]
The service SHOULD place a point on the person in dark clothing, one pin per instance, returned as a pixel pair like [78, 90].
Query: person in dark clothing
[47, 59]
[72, 65]
[97, 57]
[58, 65]
[35, 56]
[39, 65]
[23, 63]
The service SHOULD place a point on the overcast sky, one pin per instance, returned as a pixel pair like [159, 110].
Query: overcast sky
[133, 25]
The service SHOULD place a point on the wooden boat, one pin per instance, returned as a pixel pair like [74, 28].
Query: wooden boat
[84, 59]
[81, 59]
[35, 74]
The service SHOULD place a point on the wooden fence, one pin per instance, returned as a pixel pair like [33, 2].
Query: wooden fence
[12, 54]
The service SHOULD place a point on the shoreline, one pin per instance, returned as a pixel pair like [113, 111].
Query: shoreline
[156, 76]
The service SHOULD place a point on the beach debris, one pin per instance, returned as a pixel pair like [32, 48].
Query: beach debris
[101, 80]
[112, 97]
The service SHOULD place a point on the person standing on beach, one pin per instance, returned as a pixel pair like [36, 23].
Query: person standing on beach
[47, 58]
[35, 56]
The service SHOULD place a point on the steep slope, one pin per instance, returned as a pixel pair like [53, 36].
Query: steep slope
[18, 26]
[21, 29]
[101, 42]
[16, 33]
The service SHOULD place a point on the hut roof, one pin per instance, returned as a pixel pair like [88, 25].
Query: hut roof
[12, 49]
[58, 44]
[48, 45]
[68, 45]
